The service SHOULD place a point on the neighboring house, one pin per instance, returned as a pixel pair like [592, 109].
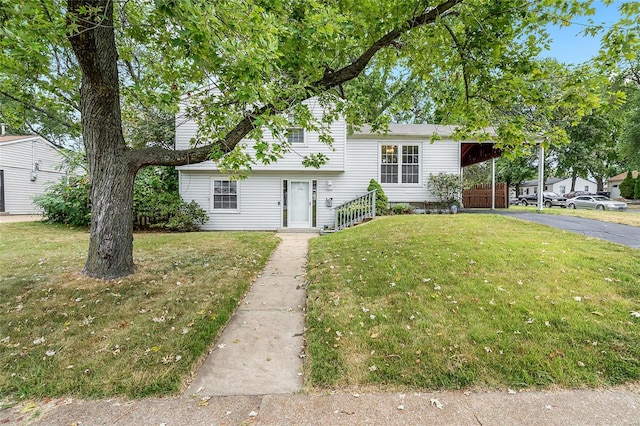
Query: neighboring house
[613, 183]
[28, 165]
[285, 194]
[558, 185]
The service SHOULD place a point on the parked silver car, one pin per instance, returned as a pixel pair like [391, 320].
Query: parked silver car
[597, 202]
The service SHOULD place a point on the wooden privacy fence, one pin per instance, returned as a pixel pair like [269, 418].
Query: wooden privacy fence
[480, 196]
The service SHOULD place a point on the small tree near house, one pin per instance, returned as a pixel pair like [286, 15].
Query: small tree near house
[382, 202]
[627, 186]
[636, 188]
[447, 188]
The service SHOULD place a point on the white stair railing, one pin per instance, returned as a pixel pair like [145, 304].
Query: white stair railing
[355, 211]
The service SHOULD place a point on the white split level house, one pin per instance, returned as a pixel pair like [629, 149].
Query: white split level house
[28, 165]
[285, 194]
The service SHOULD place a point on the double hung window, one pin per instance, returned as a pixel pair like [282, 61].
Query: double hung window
[400, 163]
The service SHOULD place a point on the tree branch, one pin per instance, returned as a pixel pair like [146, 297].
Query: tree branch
[38, 109]
[330, 80]
[460, 49]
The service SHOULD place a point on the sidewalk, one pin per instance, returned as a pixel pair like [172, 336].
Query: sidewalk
[253, 377]
[573, 407]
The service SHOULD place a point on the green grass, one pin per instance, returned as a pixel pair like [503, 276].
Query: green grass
[631, 217]
[62, 333]
[470, 301]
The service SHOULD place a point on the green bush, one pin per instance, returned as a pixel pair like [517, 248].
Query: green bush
[382, 202]
[447, 188]
[155, 194]
[188, 217]
[402, 208]
[66, 202]
[626, 186]
[155, 197]
[636, 188]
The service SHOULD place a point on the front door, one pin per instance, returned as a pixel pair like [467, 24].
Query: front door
[299, 205]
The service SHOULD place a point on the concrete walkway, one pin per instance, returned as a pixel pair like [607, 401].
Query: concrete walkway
[259, 351]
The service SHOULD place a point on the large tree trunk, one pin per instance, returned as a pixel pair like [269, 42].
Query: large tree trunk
[599, 183]
[111, 169]
[111, 237]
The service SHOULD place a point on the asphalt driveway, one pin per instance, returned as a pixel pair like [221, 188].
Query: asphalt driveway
[620, 234]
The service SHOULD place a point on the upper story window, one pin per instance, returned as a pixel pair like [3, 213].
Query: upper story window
[400, 163]
[225, 195]
[295, 135]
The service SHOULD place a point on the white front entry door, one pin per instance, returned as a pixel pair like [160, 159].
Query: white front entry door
[299, 205]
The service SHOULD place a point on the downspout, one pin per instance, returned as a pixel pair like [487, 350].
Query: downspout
[34, 175]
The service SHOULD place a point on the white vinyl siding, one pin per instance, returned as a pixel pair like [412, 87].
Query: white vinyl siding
[16, 159]
[186, 130]
[260, 198]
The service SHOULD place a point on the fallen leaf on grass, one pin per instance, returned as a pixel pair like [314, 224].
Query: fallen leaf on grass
[558, 352]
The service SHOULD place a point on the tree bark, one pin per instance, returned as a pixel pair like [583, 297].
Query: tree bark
[599, 183]
[111, 170]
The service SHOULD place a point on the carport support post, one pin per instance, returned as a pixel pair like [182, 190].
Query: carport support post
[493, 184]
[540, 175]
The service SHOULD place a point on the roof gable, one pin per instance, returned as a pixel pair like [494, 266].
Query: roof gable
[16, 138]
[621, 176]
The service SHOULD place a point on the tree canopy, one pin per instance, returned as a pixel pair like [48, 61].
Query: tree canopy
[246, 65]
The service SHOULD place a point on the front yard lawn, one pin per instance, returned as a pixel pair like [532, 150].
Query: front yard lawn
[470, 301]
[62, 333]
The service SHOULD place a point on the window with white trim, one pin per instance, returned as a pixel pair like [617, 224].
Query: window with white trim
[225, 195]
[400, 163]
[295, 135]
